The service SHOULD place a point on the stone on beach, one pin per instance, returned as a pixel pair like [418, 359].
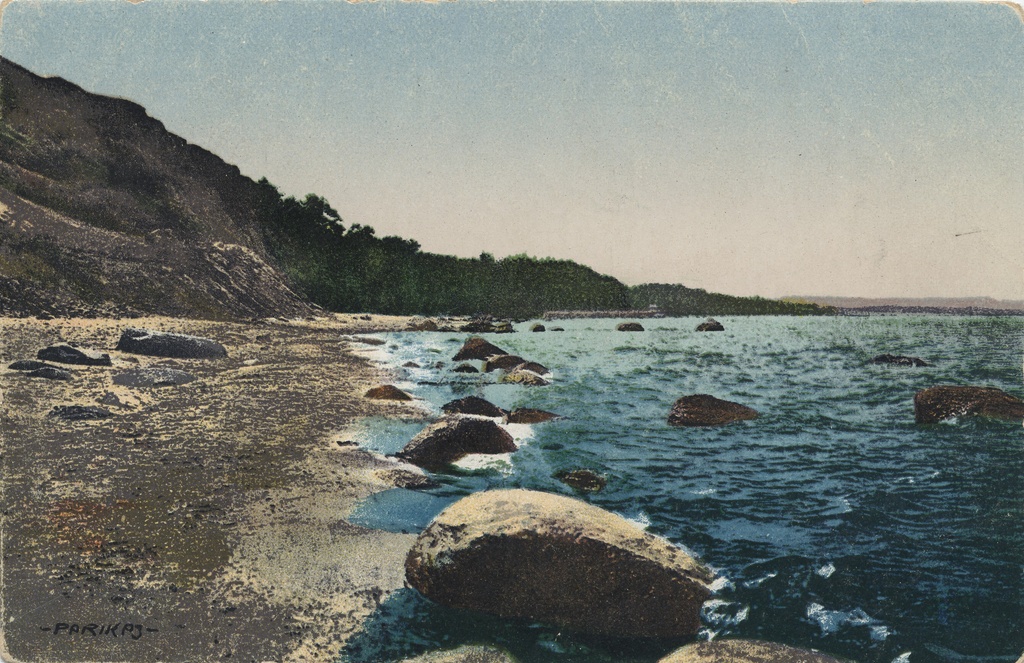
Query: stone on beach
[946, 402]
[453, 437]
[710, 325]
[477, 348]
[705, 410]
[153, 377]
[899, 360]
[744, 651]
[68, 354]
[423, 325]
[29, 365]
[531, 555]
[387, 392]
[50, 373]
[165, 344]
[78, 412]
[529, 415]
[473, 405]
[630, 327]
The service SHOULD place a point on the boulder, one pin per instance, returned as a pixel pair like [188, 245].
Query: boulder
[78, 412]
[529, 415]
[502, 362]
[538, 328]
[473, 405]
[630, 327]
[477, 348]
[523, 376]
[367, 340]
[463, 368]
[548, 558]
[453, 437]
[164, 344]
[744, 651]
[464, 654]
[704, 410]
[50, 373]
[68, 354]
[423, 325]
[388, 392]
[410, 364]
[539, 369]
[710, 325]
[899, 360]
[944, 402]
[585, 481]
[29, 365]
[153, 377]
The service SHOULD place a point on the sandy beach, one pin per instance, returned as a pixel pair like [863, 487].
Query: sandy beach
[199, 522]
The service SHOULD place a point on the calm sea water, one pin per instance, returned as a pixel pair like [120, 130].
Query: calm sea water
[834, 521]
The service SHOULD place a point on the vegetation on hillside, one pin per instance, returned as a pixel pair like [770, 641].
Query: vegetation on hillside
[678, 300]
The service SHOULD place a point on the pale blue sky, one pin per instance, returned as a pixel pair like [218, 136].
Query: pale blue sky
[768, 149]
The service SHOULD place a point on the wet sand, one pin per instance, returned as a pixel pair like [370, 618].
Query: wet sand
[200, 522]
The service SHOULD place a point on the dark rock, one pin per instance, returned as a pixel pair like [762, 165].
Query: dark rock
[79, 412]
[533, 366]
[502, 362]
[110, 398]
[704, 410]
[538, 328]
[899, 360]
[541, 557]
[630, 327]
[453, 437]
[463, 368]
[410, 364]
[525, 377]
[388, 392]
[582, 480]
[744, 651]
[50, 373]
[473, 405]
[464, 654]
[67, 354]
[528, 415]
[710, 325]
[503, 327]
[423, 325]
[164, 344]
[153, 377]
[557, 329]
[29, 365]
[366, 340]
[937, 403]
[439, 365]
[477, 348]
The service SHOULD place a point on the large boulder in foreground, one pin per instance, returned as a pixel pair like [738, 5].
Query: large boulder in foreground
[69, 354]
[744, 651]
[899, 360]
[464, 654]
[537, 556]
[945, 402]
[705, 410]
[454, 437]
[165, 344]
[710, 325]
[473, 405]
[477, 348]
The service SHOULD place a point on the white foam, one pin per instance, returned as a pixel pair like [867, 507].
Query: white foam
[641, 520]
[521, 433]
[724, 614]
[827, 570]
[902, 658]
[705, 491]
[831, 621]
[756, 582]
[475, 462]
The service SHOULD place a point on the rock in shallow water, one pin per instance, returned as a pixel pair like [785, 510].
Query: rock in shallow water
[520, 375]
[586, 481]
[529, 415]
[530, 555]
[473, 405]
[454, 437]
[705, 410]
[710, 325]
[946, 402]
[388, 392]
[744, 651]
[477, 348]
[630, 327]
[164, 344]
[899, 360]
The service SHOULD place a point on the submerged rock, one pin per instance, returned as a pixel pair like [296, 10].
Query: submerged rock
[477, 348]
[744, 651]
[387, 392]
[79, 412]
[473, 405]
[529, 415]
[454, 437]
[523, 376]
[69, 354]
[899, 360]
[630, 327]
[463, 368]
[558, 329]
[410, 364]
[153, 377]
[710, 325]
[549, 558]
[945, 402]
[164, 344]
[705, 410]
[464, 654]
[50, 373]
[586, 481]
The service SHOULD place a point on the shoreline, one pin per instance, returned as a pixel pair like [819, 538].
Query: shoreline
[211, 516]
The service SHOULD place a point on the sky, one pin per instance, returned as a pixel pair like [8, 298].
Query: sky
[769, 149]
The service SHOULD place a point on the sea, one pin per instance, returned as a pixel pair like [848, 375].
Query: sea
[832, 521]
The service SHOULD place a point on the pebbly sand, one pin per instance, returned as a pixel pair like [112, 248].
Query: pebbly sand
[200, 522]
